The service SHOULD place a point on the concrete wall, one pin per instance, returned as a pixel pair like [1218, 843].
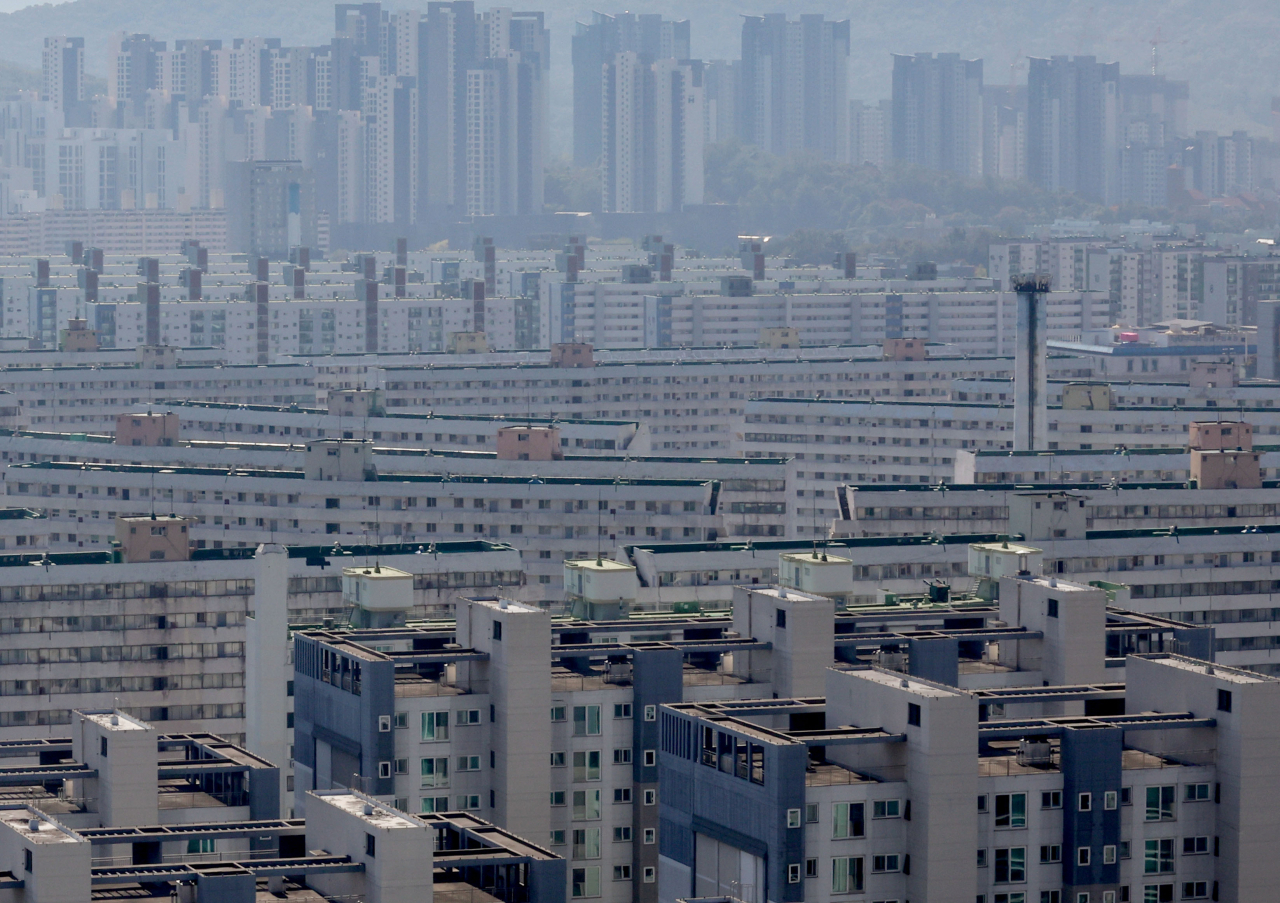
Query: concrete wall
[938, 767]
[518, 640]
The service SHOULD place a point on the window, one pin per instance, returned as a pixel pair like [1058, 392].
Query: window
[793, 873]
[982, 858]
[497, 630]
[650, 836]
[886, 862]
[1110, 800]
[847, 821]
[384, 769]
[1053, 608]
[1051, 853]
[435, 727]
[384, 723]
[1224, 700]
[886, 809]
[622, 873]
[1195, 846]
[469, 802]
[811, 868]
[810, 813]
[1195, 890]
[586, 843]
[622, 757]
[1157, 893]
[780, 618]
[1051, 799]
[472, 763]
[401, 719]
[1109, 854]
[435, 772]
[1083, 856]
[622, 834]
[1195, 793]
[1011, 865]
[1052, 896]
[586, 765]
[651, 713]
[402, 766]
[1160, 803]
[557, 797]
[586, 720]
[913, 714]
[650, 874]
[429, 804]
[794, 819]
[558, 759]
[982, 802]
[846, 875]
[1086, 802]
[650, 757]
[1158, 856]
[1018, 897]
[622, 710]
[651, 797]
[586, 805]
[370, 845]
[1011, 810]
[557, 713]
[468, 716]
[586, 882]
[622, 794]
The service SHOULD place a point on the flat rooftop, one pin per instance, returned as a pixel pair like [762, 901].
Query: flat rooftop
[369, 810]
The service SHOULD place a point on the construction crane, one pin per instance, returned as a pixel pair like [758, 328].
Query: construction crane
[1013, 74]
[1155, 43]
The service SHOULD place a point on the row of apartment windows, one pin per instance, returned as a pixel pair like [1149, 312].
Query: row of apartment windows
[44, 655]
[211, 681]
[207, 711]
[170, 589]
[93, 623]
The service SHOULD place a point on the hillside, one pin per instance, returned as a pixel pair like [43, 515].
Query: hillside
[1229, 49]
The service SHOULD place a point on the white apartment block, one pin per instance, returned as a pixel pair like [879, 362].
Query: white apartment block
[89, 398]
[913, 442]
[116, 808]
[1194, 575]
[902, 787]
[164, 639]
[688, 399]
[550, 512]
[506, 709]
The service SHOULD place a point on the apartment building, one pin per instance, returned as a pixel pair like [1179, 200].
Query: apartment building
[687, 399]
[1036, 510]
[895, 786]
[73, 398]
[548, 509]
[423, 707]
[914, 442]
[163, 637]
[360, 414]
[1194, 575]
[119, 809]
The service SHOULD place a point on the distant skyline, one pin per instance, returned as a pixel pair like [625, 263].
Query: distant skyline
[1232, 60]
